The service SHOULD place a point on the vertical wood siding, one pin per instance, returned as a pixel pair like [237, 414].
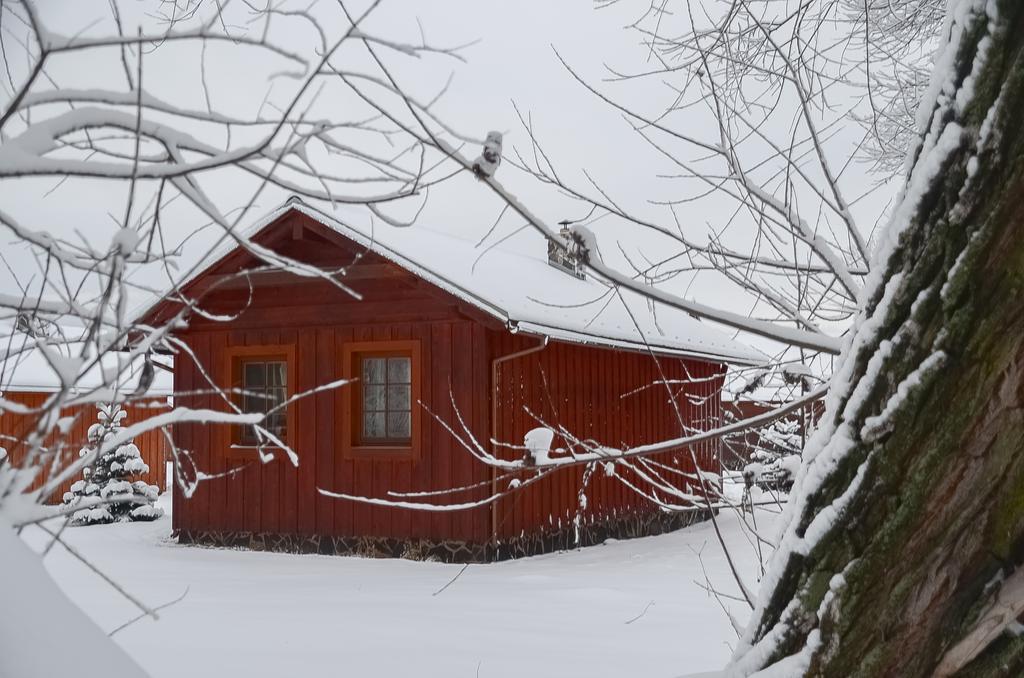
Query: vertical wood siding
[279, 498]
[614, 398]
[15, 427]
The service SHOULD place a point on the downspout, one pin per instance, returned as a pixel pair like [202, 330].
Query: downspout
[494, 425]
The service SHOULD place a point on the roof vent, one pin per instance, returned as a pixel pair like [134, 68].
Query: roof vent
[567, 252]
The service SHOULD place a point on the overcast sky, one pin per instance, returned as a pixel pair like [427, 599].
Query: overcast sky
[513, 60]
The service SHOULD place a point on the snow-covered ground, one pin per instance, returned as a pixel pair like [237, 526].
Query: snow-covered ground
[631, 608]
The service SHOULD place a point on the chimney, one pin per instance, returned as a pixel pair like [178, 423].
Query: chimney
[567, 253]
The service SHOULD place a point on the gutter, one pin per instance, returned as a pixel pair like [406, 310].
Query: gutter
[495, 364]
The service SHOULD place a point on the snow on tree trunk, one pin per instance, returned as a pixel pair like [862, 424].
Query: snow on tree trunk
[908, 512]
[108, 478]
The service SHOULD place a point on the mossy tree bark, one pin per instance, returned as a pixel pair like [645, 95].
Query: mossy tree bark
[930, 495]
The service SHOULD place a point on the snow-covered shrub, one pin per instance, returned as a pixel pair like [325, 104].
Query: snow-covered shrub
[776, 455]
[109, 478]
[778, 439]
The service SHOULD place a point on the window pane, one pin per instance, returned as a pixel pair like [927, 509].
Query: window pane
[373, 425]
[277, 374]
[254, 402]
[264, 383]
[373, 398]
[254, 375]
[275, 396]
[398, 397]
[276, 424]
[373, 370]
[398, 424]
[399, 370]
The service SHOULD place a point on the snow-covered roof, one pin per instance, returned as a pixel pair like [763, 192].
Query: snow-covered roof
[526, 293]
[31, 370]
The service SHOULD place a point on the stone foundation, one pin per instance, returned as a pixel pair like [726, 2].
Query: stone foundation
[561, 538]
[597, 531]
[367, 547]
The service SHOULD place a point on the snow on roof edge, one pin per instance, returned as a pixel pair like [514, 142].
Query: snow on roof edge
[475, 300]
[31, 373]
[557, 333]
[561, 334]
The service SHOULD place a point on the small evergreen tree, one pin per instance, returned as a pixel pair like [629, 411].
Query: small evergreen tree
[108, 477]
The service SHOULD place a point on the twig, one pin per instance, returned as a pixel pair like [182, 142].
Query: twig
[158, 607]
[646, 607]
[452, 580]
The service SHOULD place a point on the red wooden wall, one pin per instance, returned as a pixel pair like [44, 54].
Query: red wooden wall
[457, 345]
[279, 498]
[14, 428]
[616, 398]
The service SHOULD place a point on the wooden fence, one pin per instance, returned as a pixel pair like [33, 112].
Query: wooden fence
[14, 428]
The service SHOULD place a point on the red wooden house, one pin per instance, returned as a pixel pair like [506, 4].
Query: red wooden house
[442, 330]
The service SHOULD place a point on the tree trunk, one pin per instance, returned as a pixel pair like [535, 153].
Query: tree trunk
[910, 515]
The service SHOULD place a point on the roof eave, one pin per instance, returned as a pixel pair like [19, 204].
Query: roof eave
[561, 334]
